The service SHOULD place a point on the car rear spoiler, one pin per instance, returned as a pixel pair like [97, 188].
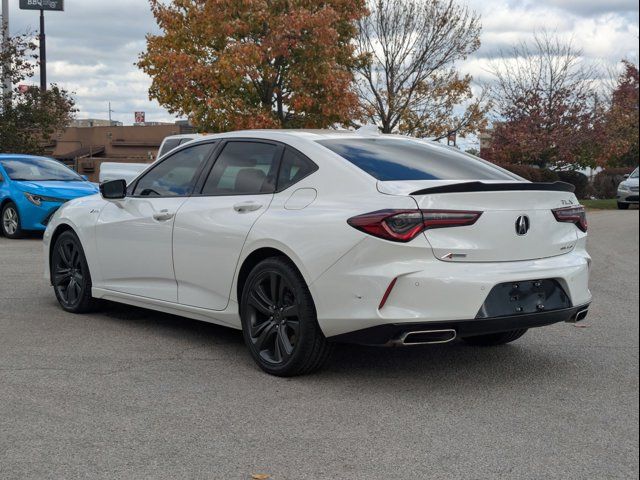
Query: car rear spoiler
[466, 187]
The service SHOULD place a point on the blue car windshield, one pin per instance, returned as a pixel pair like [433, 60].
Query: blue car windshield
[38, 169]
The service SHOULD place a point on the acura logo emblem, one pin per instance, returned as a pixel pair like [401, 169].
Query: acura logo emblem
[522, 225]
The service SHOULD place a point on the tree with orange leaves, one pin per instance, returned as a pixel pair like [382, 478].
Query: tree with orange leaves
[236, 64]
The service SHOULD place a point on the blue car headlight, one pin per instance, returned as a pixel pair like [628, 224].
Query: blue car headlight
[40, 199]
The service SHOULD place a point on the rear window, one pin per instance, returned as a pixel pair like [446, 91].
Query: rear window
[398, 159]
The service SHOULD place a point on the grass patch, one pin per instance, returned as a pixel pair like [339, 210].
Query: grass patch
[609, 204]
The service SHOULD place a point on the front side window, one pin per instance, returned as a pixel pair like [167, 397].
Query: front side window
[175, 176]
[400, 159]
[294, 168]
[38, 169]
[243, 168]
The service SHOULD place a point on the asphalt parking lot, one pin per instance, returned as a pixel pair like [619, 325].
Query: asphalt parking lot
[128, 393]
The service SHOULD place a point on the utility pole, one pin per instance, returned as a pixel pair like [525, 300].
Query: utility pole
[5, 80]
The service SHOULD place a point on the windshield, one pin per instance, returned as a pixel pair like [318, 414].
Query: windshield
[38, 169]
[634, 174]
[400, 159]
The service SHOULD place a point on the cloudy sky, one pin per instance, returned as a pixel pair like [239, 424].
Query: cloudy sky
[93, 45]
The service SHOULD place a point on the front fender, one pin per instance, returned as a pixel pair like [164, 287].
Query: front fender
[81, 216]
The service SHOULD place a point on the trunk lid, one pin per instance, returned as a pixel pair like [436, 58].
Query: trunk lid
[497, 236]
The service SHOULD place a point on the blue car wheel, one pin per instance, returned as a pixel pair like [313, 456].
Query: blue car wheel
[10, 221]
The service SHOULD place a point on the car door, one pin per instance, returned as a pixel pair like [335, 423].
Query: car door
[134, 235]
[211, 227]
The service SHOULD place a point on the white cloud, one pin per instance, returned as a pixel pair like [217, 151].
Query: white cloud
[93, 45]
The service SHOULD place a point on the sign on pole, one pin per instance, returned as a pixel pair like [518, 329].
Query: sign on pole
[57, 5]
[140, 117]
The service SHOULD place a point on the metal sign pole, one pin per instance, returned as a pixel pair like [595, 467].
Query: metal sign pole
[43, 54]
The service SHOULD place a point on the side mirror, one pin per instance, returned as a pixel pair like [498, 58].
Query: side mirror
[113, 190]
[626, 175]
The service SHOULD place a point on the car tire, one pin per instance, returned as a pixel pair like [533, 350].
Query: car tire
[70, 274]
[494, 339]
[279, 322]
[10, 221]
[623, 206]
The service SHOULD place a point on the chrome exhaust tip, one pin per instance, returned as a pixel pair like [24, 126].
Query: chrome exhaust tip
[579, 316]
[426, 337]
[582, 314]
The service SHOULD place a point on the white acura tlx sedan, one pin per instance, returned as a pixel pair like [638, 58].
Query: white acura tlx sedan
[306, 238]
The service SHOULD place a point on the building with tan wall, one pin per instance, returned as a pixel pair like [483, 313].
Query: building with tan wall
[85, 148]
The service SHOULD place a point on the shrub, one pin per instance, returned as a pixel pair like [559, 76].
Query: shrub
[531, 173]
[579, 180]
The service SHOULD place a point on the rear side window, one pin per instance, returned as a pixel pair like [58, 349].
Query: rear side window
[398, 159]
[243, 168]
[295, 167]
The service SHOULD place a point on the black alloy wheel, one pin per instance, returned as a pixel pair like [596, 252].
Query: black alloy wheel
[70, 275]
[279, 320]
[274, 317]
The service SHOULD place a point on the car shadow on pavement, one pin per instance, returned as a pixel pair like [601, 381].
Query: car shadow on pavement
[527, 359]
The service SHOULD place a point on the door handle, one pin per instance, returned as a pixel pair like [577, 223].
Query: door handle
[163, 216]
[245, 207]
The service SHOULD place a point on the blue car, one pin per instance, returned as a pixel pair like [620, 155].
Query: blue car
[32, 189]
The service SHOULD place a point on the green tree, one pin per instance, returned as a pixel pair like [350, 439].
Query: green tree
[230, 64]
[29, 117]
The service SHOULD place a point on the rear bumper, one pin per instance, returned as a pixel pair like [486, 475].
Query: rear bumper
[391, 333]
[426, 289]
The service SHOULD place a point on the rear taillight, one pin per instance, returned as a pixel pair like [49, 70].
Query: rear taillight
[405, 225]
[576, 215]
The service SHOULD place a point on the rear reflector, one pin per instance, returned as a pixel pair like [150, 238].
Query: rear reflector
[387, 293]
[405, 225]
[576, 215]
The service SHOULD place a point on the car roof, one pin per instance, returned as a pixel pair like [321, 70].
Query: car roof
[22, 156]
[284, 134]
[185, 135]
[19, 155]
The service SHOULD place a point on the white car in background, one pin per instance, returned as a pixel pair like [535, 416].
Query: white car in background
[628, 191]
[174, 141]
[302, 239]
[120, 171]
[129, 171]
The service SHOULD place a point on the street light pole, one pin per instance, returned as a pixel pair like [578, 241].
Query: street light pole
[43, 54]
[5, 80]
